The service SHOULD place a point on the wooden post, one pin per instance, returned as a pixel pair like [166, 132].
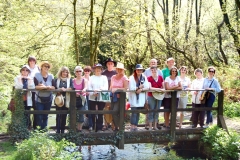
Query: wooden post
[72, 111]
[173, 115]
[121, 118]
[220, 107]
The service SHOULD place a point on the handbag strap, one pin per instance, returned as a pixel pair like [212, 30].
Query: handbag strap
[211, 84]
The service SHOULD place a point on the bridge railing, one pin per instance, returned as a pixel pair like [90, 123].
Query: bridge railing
[173, 110]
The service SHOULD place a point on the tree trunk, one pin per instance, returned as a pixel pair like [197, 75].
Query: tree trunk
[165, 11]
[75, 32]
[149, 40]
[237, 4]
[98, 32]
[220, 43]
[229, 26]
[188, 26]
[92, 60]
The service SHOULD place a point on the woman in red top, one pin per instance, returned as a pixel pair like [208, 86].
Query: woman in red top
[118, 82]
[154, 98]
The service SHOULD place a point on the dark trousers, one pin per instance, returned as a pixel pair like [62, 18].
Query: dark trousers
[27, 116]
[99, 117]
[209, 103]
[61, 119]
[198, 115]
[34, 107]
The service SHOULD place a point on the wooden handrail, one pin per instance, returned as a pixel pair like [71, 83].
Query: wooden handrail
[120, 144]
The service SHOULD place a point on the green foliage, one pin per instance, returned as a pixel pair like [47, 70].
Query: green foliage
[220, 145]
[232, 109]
[7, 150]
[17, 128]
[40, 146]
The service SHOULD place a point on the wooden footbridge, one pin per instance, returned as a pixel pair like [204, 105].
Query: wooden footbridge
[124, 136]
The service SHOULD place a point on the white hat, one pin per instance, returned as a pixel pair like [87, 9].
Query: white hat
[59, 100]
[120, 66]
[158, 95]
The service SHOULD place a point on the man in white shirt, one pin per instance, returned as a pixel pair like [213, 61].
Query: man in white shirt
[153, 62]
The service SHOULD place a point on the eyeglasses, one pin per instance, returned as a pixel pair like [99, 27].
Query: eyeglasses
[25, 70]
[87, 71]
[46, 66]
[78, 71]
[211, 71]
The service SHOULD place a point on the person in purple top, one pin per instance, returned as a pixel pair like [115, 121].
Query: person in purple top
[109, 72]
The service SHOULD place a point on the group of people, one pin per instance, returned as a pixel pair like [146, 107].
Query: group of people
[145, 85]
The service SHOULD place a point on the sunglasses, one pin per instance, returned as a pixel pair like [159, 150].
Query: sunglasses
[46, 66]
[174, 71]
[211, 71]
[25, 70]
[87, 71]
[78, 71]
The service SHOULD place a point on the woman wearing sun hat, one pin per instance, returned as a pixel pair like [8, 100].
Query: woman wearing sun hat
[138, 82]
[24, 81]
[63, 82]
[44, 82]
[97, 83]
[118, 82]
[80, 83]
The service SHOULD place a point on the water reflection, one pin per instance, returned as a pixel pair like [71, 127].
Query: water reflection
[130, 152]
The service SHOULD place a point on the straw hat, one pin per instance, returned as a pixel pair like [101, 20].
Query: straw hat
[120, 66]
[158, 95]
[45, 62]
[59, 100]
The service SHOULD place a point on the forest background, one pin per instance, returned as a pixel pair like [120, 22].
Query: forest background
[197, 33]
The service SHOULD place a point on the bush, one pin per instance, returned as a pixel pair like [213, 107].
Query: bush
[232, 109]
[40, 146]
[220, 145]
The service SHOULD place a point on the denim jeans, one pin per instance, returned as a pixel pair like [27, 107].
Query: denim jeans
[90, 122]
[209, 103]
[135, 116]
[153, 104]
[42, 119]
[80, 117]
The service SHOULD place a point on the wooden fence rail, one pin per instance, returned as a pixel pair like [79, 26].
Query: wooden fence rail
[173, 132]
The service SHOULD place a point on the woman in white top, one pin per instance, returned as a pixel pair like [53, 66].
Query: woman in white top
[196, 85]
[171, 83]
[33, 67]
[183, 99]
[138, 82]
[24, 81]
[97, 83]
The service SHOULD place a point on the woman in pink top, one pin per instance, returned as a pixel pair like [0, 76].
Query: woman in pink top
[80, 83]
[118, 82]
